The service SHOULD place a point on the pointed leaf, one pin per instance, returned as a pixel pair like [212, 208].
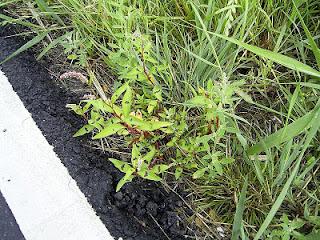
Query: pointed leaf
[122, 166]
[314, 47]
[275, 57]
[127, 178]
[48, 11]
[109, 130]
[199, 173]
[127, 102]
[237, 222]
[26, 46]
[118, 92]
[152, 176]
[284, 134]
[178, 173]
[161, 168]
[84, 130]
[51, 45]
[152, 105]
[199, 101]
[149, 156]
[157, 125]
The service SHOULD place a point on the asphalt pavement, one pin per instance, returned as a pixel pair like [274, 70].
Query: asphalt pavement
[9, 229]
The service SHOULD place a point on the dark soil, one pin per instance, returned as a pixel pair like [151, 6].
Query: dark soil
[126, 213]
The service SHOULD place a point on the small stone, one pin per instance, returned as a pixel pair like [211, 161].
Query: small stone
[118, 196]
[222, 235]
[4, 130]
[76, 150]
[152, 208]
[220, 229]
[172, 218]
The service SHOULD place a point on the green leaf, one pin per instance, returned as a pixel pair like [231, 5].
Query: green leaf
[146, 125]
[160, 168]
[157, 91]
[199, 173]
[76, 108]
[117, 110]
[152, 176]
[178, 172]
[109, 130]
[127, 102]
[18, 21]
[26, 46]
[237, 222]
[149, 156]
[314, 47]
[217, 166]
[135, 155]
[101, 105]
[135, 121]
[152, 105]
[127, 178]
[314, 220]
[118, 92]
[297, 223]
[309, 136]
[311, 162]
[199, 101]
[155, 125]
[111, 121]
[122, 166]
[284, 134]
[312, 236]
[200, 58]
[227, 160]
[84, 130]
[7, 2]
[48, 11]
[246, 97]
[273, 56]
[72, 56]
[277, 203]
[52, 44]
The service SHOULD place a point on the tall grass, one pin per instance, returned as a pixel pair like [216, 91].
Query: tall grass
[270, 45]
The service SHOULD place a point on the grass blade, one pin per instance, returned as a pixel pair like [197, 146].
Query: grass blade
[8, 2]
[237, 223]
[277, 203]
[315, 126]
[284, 134]
[53, 44]
[275, 57]
[307, 84]
[26, 46]
[314, 47]
[17, 21]
[45, 8]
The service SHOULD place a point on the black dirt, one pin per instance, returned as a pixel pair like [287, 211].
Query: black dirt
[130, 213]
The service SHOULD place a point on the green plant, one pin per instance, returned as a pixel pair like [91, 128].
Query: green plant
[290, 229]
[157, 131]
[210, 92]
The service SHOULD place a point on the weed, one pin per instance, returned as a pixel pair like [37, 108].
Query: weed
[222, 95]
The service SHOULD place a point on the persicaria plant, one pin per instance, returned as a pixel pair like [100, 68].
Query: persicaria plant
[183, 138]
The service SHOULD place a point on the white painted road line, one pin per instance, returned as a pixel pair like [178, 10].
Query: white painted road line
[44, 199]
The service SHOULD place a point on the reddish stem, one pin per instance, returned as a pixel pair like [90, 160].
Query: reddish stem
[217, 122]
